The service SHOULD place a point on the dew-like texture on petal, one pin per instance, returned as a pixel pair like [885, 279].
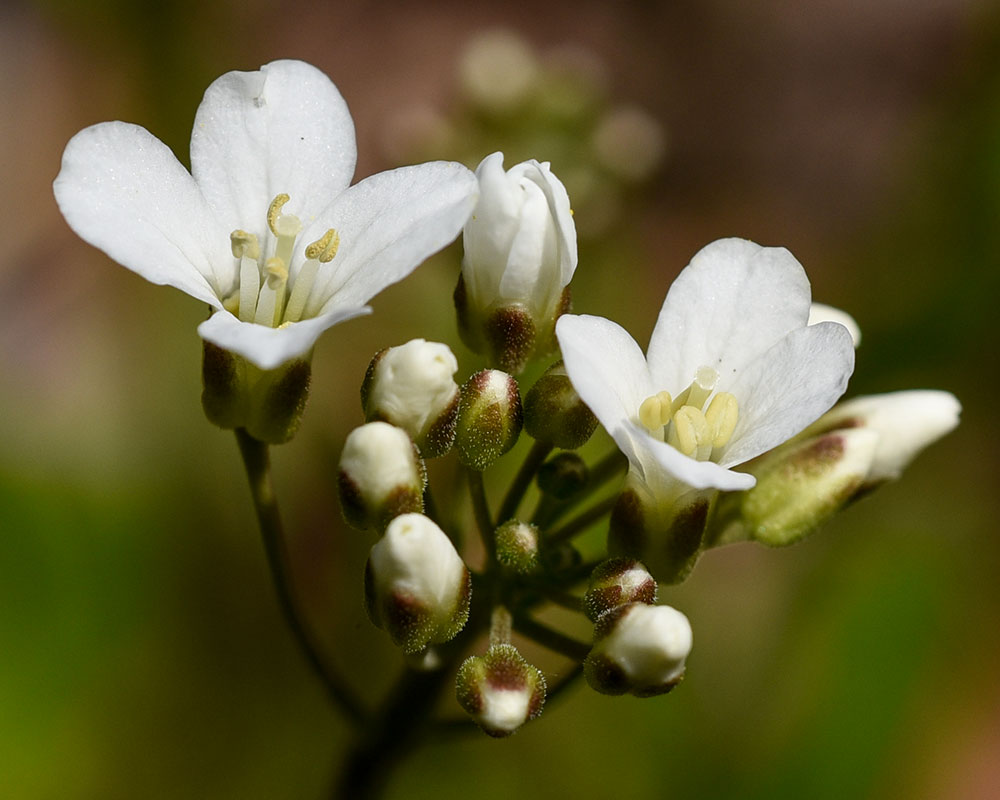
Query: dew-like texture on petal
[388, 224]
[269, 348]
[282, 129]
[659, 464]
[788, 387]
[122, 190]
[605, 366]
[731, 303]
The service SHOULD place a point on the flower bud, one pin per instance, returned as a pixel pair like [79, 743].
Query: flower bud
[618, 582]
[906, 422]
[520, 254]
[804, 485]
[381, 476]
[500, 690]
[563, 476]
[417, 587]
[663, 530]
[267, 403]
[411, 386]
[489, 418]
[554, 412]
[517, 547]
[639, 649]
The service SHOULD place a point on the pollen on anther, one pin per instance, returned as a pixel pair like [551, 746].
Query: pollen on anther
[274, 211]
[325, 248]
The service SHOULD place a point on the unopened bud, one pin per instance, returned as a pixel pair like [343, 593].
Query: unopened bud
[639, 649]
[802, 487]
[411, 386]
[267, 403]
[517, 547]
[417, 587]
[489, 418]
[500, 690]
[563, 475]
[381, 476]
[618, 582]
[554, 412]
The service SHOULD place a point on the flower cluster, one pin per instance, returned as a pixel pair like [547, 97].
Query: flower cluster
[728, 425]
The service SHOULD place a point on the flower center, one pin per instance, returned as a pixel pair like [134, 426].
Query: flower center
[267, 295]
[682, 423]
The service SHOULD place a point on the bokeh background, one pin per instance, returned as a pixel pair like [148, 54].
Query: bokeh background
[141, 652]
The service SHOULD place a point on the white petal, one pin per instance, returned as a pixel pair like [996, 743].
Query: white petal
[284, 128]
[819, 312]
[731, 303]
[562, 214]
[269, 348]
[490, 230]
[531, 251]
[788, 387]
[121, 189]
[661, 465]
[605, 366]
[388, 224]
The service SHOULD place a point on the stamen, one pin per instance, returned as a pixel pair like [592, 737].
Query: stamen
[325, 248]
[301, 290]
[654, 412]
[274, 211]
[722, 414]
[232, 303]
[249, 288]
[689, 433]
[244, 244]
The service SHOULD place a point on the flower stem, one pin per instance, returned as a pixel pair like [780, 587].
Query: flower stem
[258, 468]
[551, 638]
[535, 458]
[481, 511]
[582, 521]
[605, 470]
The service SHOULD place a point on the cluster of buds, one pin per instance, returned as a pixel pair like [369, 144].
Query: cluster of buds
[639, 648]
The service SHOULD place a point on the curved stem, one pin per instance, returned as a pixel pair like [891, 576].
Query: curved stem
[602, 472]
[551, 638]
[535, 458]
[258, 468]
[481, 511]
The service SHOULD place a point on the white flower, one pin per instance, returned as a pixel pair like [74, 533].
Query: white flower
[265, 228]
[732, 369]
[520, 254]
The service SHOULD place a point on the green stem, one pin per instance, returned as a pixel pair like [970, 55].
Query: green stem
[581, 522]
[605, 470]
[481, 511]
[551, 638]
[258, 468]
[535, 458]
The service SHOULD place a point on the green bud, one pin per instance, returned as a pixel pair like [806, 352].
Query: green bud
[618, 582]
[517, 547]
[268, 403]
[381, 476]
[799, 488]
[554, 412]
[500, 690]
[489, 418]
[563, 476]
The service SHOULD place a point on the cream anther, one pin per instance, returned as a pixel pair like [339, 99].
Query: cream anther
[722, 415]
[325, 248]
[276, 271]
[244, 244]
[274, 212]
[655, 411]
[689, 432]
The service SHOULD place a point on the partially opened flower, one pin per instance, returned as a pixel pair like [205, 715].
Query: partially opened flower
[265, 228]
[732, 370]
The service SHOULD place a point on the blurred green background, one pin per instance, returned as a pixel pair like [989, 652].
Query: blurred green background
[141, 652]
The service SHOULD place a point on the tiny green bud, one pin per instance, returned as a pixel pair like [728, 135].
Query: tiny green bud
[554, 412]
[801, 487]
[381, 476]
[563, 476]
[489, 418]
[417, 587]
[411, 386]
[618, 582]
[237, 394]
[517, 547]
[500, 690]
[639, 649]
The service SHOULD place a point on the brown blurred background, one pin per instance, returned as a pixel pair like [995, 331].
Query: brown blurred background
[141, 653]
